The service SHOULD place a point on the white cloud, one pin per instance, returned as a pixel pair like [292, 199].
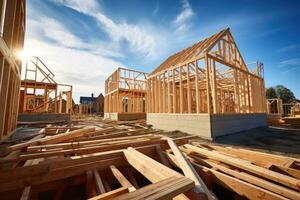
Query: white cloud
[290, 65]
[142, 39]
[289, 48]
[85, 71]
[181, 20]
[73, 61]
[63, 37]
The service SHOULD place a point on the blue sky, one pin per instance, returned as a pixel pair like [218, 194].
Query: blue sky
[83, 41]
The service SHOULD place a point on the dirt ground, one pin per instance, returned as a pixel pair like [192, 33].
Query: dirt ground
[277, 140]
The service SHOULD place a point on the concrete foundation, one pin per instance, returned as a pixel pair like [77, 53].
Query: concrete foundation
[124, 116]
[41, 117]
[207, 126]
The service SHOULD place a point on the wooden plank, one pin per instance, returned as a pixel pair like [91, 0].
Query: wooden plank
[286, 170]
[82, 150]
[111, 195]
[54, 139]
[98, 181]
[90, 186]
[283, 179]
[197, 88]
[162, 157]
[278, 189]
[238, 186]
[165, 189]
[121, 178]
[189, 102]
[208, 85]
[189, 171]
[151, 169]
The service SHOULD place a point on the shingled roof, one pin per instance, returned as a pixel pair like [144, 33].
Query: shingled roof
[192, 51]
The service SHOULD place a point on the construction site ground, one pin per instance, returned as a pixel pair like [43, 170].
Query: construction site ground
[280, 140]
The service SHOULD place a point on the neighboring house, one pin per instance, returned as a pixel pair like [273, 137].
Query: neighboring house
[91, 104]
[99, 104]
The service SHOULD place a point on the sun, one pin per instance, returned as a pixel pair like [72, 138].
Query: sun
[24, 55]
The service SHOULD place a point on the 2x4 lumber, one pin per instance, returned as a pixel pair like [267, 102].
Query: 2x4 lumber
[207, 67]
[59, 174]
[214, 88]
[90, 186]
[121, 178]
[3, 98]
[238, 186]
[197, 88]
[162, 157]
[90, 142]
[174, 96]
[54, 139]
[233, 66]
[188, 90]
[27, 190]
[286, 170]
[189, 171]
[253, 156]
[111, 194]
[165, 189]
[130, 174]
[151, 169]
[180, 90]
[283, 179]
[98, 181]
[83, 150]
[273, 187]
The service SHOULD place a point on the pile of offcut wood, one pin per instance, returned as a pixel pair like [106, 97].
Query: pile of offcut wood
[117, 160]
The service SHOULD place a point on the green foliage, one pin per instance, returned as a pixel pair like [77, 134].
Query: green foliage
[285, 94]
[271, 93]
[281, 92]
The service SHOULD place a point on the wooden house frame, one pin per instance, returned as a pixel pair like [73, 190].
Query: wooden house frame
[41, 97]
[210, 83]
[41, 93]
[125, 95]
[12, 31]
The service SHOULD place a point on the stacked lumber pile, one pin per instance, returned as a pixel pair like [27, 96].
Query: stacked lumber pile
[131, 161]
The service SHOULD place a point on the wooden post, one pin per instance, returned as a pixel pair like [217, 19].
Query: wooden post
[169, 97]
[249, 97]
[208, 85]
[188, 89]
[236, 88]
[214, 89]
[180, 90]
[174, 93]
[164, 94]
[197, 87]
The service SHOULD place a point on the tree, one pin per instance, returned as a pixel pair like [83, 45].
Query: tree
[271, 93]
[285, 94]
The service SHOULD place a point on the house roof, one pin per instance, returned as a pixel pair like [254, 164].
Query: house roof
[87, 99]
[186, 54]
[90, 99]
